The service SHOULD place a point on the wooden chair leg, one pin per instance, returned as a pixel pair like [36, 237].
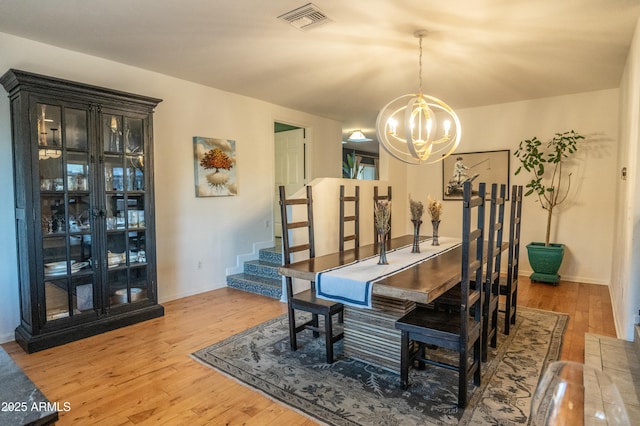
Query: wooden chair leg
[404, 360]
[485, 335]
[463, 380]
[422, 353]
[315, 323]
[507, 310]
[328, 334]
[514, 306]
[494, 326]
[293, 341]
[477, 376]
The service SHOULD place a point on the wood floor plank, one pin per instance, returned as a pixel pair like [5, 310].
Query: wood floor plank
[143, 374]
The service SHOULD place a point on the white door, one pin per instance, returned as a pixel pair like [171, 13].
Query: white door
[289, 163]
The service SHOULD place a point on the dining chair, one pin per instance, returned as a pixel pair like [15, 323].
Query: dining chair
[450, 300]
[455, 330]
[492, 281]
[306, 300]
[355, 217]
[378, 197]
[510, 288]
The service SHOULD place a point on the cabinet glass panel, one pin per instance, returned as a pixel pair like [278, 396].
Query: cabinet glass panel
[49, 120]
[112, 133]
[114, 174]
[77, 172]
[115, 211]
[121, 293]
[75, 126]
[135, 211]
[135, 173]
[134, 142]
[53, 215]
[56, 299]
[51, 170]
[82, 293]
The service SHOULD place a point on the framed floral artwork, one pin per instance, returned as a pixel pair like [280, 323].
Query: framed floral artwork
[215, 167]
[487, 166]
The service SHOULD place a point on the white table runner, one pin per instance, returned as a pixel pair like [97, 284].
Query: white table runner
[352, 284]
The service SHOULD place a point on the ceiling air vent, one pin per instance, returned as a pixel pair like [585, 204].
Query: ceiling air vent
[305, 17]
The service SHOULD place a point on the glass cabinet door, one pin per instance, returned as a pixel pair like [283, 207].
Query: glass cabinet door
[124, 180]
[65, 206]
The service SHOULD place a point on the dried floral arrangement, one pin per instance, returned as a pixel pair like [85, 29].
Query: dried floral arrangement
[435, 209]
[417, 208]
[382, 214]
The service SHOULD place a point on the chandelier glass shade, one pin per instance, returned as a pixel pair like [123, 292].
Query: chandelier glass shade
[418, 128]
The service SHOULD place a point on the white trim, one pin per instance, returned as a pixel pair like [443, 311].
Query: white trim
[241, 258]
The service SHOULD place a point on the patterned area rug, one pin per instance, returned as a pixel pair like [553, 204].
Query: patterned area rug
[351, 392]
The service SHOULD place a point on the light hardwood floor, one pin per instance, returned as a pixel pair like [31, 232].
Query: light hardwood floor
[143, 374]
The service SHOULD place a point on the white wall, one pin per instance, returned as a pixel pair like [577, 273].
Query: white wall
[190, 230]
[625, 272]
[586, 222]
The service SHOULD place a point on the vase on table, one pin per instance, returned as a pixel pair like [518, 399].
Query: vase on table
[383, 248]
[434, 238]
[416, 235]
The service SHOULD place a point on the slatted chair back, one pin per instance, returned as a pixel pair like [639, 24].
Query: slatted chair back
[491, 290]
[472, 257]
[378, 197]
[352, 217]
[511, 288]
[290, 224]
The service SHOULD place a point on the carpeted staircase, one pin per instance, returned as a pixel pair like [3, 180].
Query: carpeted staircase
[260, 276]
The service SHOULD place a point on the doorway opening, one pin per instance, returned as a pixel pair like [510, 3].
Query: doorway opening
[290, 165]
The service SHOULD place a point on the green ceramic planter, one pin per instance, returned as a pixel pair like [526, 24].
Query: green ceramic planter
[545, 262]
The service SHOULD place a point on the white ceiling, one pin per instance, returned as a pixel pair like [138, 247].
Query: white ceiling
[478, 52]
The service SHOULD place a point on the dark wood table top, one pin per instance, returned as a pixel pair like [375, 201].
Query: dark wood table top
[422, 283]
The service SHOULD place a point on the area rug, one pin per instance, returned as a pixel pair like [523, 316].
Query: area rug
[351, 392]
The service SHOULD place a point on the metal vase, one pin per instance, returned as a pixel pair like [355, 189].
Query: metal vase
[383, 248]
[416, 235]
[434, 239]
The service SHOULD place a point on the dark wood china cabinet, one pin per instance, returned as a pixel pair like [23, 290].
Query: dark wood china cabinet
[83, 180]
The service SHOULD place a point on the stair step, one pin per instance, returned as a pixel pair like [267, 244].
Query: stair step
[272, 255]
[262, 269]
[270, 287]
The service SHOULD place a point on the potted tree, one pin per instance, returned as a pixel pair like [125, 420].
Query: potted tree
[551, 184]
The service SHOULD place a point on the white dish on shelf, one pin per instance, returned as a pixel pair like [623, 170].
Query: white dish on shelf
[58, 266]
[59, 271]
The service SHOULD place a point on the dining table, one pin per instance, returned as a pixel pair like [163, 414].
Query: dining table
[369, 332]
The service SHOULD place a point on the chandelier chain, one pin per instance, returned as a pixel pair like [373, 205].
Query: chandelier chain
[420, 68]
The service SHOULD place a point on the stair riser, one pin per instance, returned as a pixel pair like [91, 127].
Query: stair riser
[270, 255]
[261, 270]
[254, 287]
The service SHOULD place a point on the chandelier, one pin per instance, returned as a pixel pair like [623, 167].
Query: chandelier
[418, 128]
